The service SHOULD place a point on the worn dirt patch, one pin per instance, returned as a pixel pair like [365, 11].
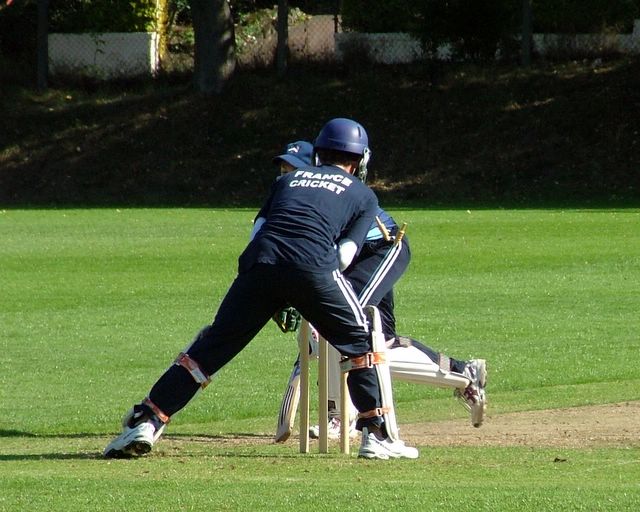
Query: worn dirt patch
[575, 427]
[613, 425]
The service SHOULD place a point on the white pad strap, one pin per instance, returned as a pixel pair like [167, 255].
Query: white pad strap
[444, 362]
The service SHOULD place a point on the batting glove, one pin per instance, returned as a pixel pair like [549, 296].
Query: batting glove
[287, 319]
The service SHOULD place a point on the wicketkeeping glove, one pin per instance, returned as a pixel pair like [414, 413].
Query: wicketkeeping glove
[288, 319]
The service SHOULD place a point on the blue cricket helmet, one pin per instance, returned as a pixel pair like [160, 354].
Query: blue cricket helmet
[297, 154]
[342, 134]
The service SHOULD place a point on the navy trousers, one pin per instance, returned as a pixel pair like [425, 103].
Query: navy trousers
[374, 274]
[326, 299]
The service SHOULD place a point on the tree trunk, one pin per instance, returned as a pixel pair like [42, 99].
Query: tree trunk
[527, 30]
[282, 51]
[214, 58]
[162, 28]
[42, 45]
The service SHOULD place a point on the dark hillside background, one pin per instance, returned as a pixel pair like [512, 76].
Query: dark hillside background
[553, 134]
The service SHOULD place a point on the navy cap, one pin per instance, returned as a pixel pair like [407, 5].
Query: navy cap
[297, 154]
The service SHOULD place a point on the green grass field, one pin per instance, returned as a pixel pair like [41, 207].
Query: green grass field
[95, 304]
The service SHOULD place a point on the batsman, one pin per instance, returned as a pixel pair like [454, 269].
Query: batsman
[376, 268]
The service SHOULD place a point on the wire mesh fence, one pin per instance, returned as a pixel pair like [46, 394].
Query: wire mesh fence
[314, 39]
[310, 38]
[592, 45]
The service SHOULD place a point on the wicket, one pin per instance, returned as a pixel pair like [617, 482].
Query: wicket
[323, 386]
[323, 395]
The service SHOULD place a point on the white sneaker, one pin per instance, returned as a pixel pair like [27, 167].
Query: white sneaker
[333, 429]
[126, 421]
[133, 442]
[374, 448]
[473, 396]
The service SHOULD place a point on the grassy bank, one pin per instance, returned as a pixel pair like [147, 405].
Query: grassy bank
[551, 135]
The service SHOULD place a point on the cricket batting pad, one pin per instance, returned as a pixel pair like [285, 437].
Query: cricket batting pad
[291, 398]
[382, 370]
[334, 384]
[410, 364]
[289, 405]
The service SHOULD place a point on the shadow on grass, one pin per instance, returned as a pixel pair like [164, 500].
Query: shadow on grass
[189, 437]
[227, 446]
[554, 132]
[49, 456]
[20, 433]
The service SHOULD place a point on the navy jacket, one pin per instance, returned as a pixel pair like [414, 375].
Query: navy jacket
[307, 212]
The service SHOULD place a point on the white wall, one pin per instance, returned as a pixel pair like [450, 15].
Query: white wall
[103, 56]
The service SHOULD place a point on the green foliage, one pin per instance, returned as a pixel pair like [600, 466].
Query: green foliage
[78, 16]
[179, 11]
[378, 15]
[494, 135]
[474, 30]
[252, 27]
[253, 23]
[576, 16]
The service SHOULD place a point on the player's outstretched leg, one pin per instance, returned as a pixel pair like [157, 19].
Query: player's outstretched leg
[474, 396]
[175, 388]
